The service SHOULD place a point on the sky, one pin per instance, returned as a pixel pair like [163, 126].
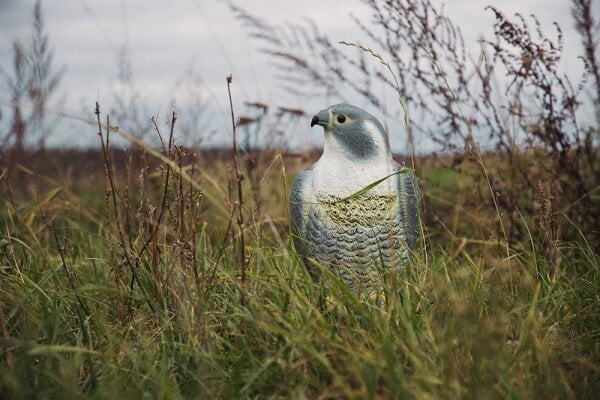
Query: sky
[167, 40]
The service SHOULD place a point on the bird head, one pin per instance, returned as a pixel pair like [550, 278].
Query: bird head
[352, 131]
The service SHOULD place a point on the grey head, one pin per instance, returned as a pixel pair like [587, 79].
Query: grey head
[359, 133]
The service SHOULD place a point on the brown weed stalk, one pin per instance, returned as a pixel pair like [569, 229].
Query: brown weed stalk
[239, 178]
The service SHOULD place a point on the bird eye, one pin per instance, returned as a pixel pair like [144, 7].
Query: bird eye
[341, 118]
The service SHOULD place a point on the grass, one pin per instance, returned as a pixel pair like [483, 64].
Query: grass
[95, 309]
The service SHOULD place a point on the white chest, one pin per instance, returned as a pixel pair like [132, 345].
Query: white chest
[341, 177]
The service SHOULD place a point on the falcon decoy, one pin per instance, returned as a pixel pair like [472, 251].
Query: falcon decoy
[355, 210]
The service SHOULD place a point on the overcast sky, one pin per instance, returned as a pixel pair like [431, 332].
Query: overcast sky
[166, 39]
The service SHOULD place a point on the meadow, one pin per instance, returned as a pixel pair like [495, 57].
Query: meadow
[122, 275]
[168, 272]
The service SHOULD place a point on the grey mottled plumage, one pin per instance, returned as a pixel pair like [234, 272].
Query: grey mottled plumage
[336, 222]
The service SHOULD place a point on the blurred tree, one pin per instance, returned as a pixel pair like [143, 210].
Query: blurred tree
[43, 80]
[32, 82]
[17, 88]
[589, 32]
[129, 110]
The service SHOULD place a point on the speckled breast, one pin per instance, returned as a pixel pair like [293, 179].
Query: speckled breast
[358, 237]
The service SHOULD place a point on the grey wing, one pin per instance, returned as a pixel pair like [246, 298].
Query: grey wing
[299, 197]
[409, 199]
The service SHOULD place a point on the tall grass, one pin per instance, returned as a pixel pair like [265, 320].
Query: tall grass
[162, 273]
[133, 289]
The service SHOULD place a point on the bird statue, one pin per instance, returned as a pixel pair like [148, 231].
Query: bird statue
[355, 211]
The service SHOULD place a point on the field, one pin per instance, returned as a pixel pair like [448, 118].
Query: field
[121, 277]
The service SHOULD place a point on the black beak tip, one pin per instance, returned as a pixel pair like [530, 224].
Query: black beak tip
[314, 121]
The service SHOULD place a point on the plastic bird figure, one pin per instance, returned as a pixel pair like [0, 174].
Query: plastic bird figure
[355, 210]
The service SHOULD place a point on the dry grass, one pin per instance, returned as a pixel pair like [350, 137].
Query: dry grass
[164, 273]
[125, 281]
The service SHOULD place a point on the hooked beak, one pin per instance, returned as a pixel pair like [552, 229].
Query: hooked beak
[321, 118]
